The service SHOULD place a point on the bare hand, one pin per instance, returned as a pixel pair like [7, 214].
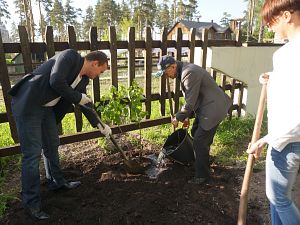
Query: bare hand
[256, 148]
[264, 78]
[174, 121]
[186, 123]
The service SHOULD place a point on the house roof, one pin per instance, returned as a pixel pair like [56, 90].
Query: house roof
[201, 25]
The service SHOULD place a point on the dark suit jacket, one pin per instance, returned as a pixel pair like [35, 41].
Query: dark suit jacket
[202, 96]
[51, 80]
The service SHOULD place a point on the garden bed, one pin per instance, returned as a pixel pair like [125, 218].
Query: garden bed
[109, 195]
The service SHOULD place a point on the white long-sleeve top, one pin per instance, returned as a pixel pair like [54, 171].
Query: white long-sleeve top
[283, 92]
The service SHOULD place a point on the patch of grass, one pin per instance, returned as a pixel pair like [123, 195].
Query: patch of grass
[232, 139]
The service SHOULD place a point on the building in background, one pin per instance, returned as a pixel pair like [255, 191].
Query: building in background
[4, 33]
[215, 31]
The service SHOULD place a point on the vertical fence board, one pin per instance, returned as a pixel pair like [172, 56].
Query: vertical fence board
[238, 38]
[192, 38]
[233, 81]
[50, 42]
[148, 70]
[77, 111]
[240, 99]
[131, 55]
[113, 56]
[5, 83]
[177, 81]
[25, 49]
[162, 88]
[93, 46]
[204, 47]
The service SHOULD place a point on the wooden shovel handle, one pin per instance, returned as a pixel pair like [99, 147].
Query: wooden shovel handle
[170, 100]
[250, 162]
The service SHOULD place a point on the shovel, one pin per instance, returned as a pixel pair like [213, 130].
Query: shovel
[250, 162]
[131, 166]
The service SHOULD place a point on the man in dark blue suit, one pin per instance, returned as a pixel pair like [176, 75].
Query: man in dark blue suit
[39, 101]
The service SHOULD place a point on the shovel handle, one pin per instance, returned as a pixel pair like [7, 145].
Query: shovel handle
[170, 100]
[242, 216]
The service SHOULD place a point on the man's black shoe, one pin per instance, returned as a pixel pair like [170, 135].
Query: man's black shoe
[198, 180]
[66, 186]
[36, 213]
[71, 185]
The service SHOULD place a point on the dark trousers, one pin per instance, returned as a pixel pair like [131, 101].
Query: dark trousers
[201, 143]
[37, 131]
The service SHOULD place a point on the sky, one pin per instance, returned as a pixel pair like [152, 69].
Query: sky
[209, 9]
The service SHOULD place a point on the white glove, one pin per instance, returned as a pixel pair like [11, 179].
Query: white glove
[84, 99]
[104, 129]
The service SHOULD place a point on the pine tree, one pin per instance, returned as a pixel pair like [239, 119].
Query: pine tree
[164, 17]
[3, 11]
[88, 22]
[225, 19]
[57, 21]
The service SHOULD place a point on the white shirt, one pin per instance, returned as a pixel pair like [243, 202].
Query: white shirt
[283, 96]
[73, 85]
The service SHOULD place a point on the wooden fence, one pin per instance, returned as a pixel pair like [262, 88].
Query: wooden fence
[131, 45]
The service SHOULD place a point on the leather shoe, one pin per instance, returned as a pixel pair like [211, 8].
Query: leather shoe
[71, 185]
[66, 186]
[37, 213]
[198, 180]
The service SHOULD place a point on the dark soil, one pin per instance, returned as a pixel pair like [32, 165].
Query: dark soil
[110, 195]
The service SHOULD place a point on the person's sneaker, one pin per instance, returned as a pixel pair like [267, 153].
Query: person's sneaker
[37, 213]
[198, 180]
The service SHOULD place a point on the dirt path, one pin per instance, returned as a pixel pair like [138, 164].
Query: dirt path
[108, 195]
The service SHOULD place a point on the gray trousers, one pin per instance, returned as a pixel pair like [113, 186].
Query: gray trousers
[201, 143]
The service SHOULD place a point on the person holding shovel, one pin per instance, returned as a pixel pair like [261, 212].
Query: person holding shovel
[205, 100]
[39, 102]
[283, 138]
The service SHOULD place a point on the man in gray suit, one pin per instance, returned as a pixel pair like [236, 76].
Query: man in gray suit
[39, 101]
[205, 100]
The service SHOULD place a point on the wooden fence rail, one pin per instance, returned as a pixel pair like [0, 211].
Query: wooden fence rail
[49, 47]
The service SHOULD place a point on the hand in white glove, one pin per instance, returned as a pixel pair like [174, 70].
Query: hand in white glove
[104, 129]
[84, 99]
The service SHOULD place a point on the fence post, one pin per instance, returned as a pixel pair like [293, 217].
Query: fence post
[93, 46]
[233, 82]
[240, 100]
[25, 49]
[77, 111]
[131, 55]
[163, 51]
[148, 70]
[177, 81]
[5, 83]
[192, 38]
[50, 48]
[113, 56]
[204, 47]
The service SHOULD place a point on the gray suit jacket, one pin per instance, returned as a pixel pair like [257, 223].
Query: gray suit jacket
[51, 80]
[203, 97]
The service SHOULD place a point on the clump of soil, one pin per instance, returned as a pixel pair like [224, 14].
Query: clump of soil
[110, 195]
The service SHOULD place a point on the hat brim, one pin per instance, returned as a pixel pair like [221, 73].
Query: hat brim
[158, 73]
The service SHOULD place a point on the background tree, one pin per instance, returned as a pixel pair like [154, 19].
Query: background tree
[225, 19]
[107, 13]
[164, 18]
[88, 21]
[4, 14]
[14, 35]
[71, 18]
[57, 21]
[191, 9]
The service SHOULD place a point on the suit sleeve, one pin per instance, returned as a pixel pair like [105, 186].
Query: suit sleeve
[58, 76]
[191, 83]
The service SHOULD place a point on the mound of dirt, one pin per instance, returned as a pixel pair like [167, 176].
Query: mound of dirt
[109, 195]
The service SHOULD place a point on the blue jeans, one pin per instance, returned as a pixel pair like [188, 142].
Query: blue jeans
[281, 172]
[37, 131]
